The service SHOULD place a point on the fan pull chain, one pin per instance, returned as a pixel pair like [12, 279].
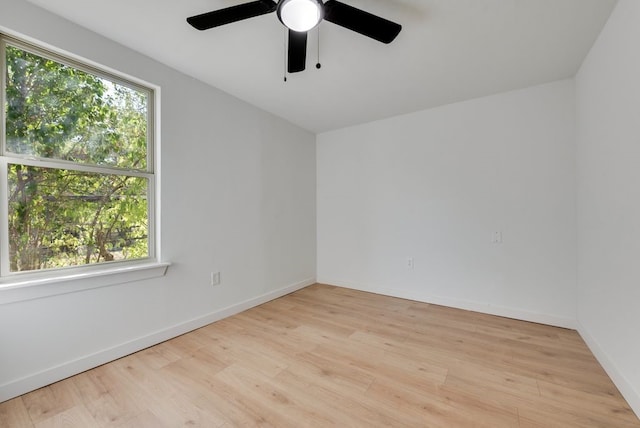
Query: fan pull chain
[318, 65]
[285, 53]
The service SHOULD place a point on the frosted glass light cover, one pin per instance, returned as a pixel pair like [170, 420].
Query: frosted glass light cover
[300, 15]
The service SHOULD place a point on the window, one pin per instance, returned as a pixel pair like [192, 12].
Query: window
[76, 165]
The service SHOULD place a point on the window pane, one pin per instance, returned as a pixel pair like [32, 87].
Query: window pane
[61, 218]
[56, 111]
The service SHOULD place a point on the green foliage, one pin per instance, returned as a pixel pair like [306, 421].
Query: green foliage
[55, 111]
[63, 217]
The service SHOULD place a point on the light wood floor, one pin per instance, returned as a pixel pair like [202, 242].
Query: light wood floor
[328, 356]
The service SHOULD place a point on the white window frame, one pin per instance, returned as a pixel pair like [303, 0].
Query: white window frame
[17, 286]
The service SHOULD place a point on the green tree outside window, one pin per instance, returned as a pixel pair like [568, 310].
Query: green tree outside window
[78, 175]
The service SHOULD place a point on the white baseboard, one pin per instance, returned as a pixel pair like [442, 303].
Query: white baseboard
[485, 308]
[29, 383]
[627, 390]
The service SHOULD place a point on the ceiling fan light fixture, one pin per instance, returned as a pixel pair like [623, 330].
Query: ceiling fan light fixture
[300, 15]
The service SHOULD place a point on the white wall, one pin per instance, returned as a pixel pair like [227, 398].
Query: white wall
[238, 196]
[608, 166]
[435, 184]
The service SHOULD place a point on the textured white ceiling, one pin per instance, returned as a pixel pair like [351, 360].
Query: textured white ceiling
[448, 51]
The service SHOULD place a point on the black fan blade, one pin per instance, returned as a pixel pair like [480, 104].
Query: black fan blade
[297, 55]
[231, 14]
[361, 22]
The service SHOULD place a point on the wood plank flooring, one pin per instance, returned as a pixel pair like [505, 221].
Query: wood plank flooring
[329, 356]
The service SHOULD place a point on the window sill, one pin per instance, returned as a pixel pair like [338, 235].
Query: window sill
[36, 287]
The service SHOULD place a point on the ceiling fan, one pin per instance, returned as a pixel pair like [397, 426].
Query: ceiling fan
[300, 16]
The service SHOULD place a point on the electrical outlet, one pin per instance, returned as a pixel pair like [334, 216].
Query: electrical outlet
[496, 237]
[410, 263]
[215, 278]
